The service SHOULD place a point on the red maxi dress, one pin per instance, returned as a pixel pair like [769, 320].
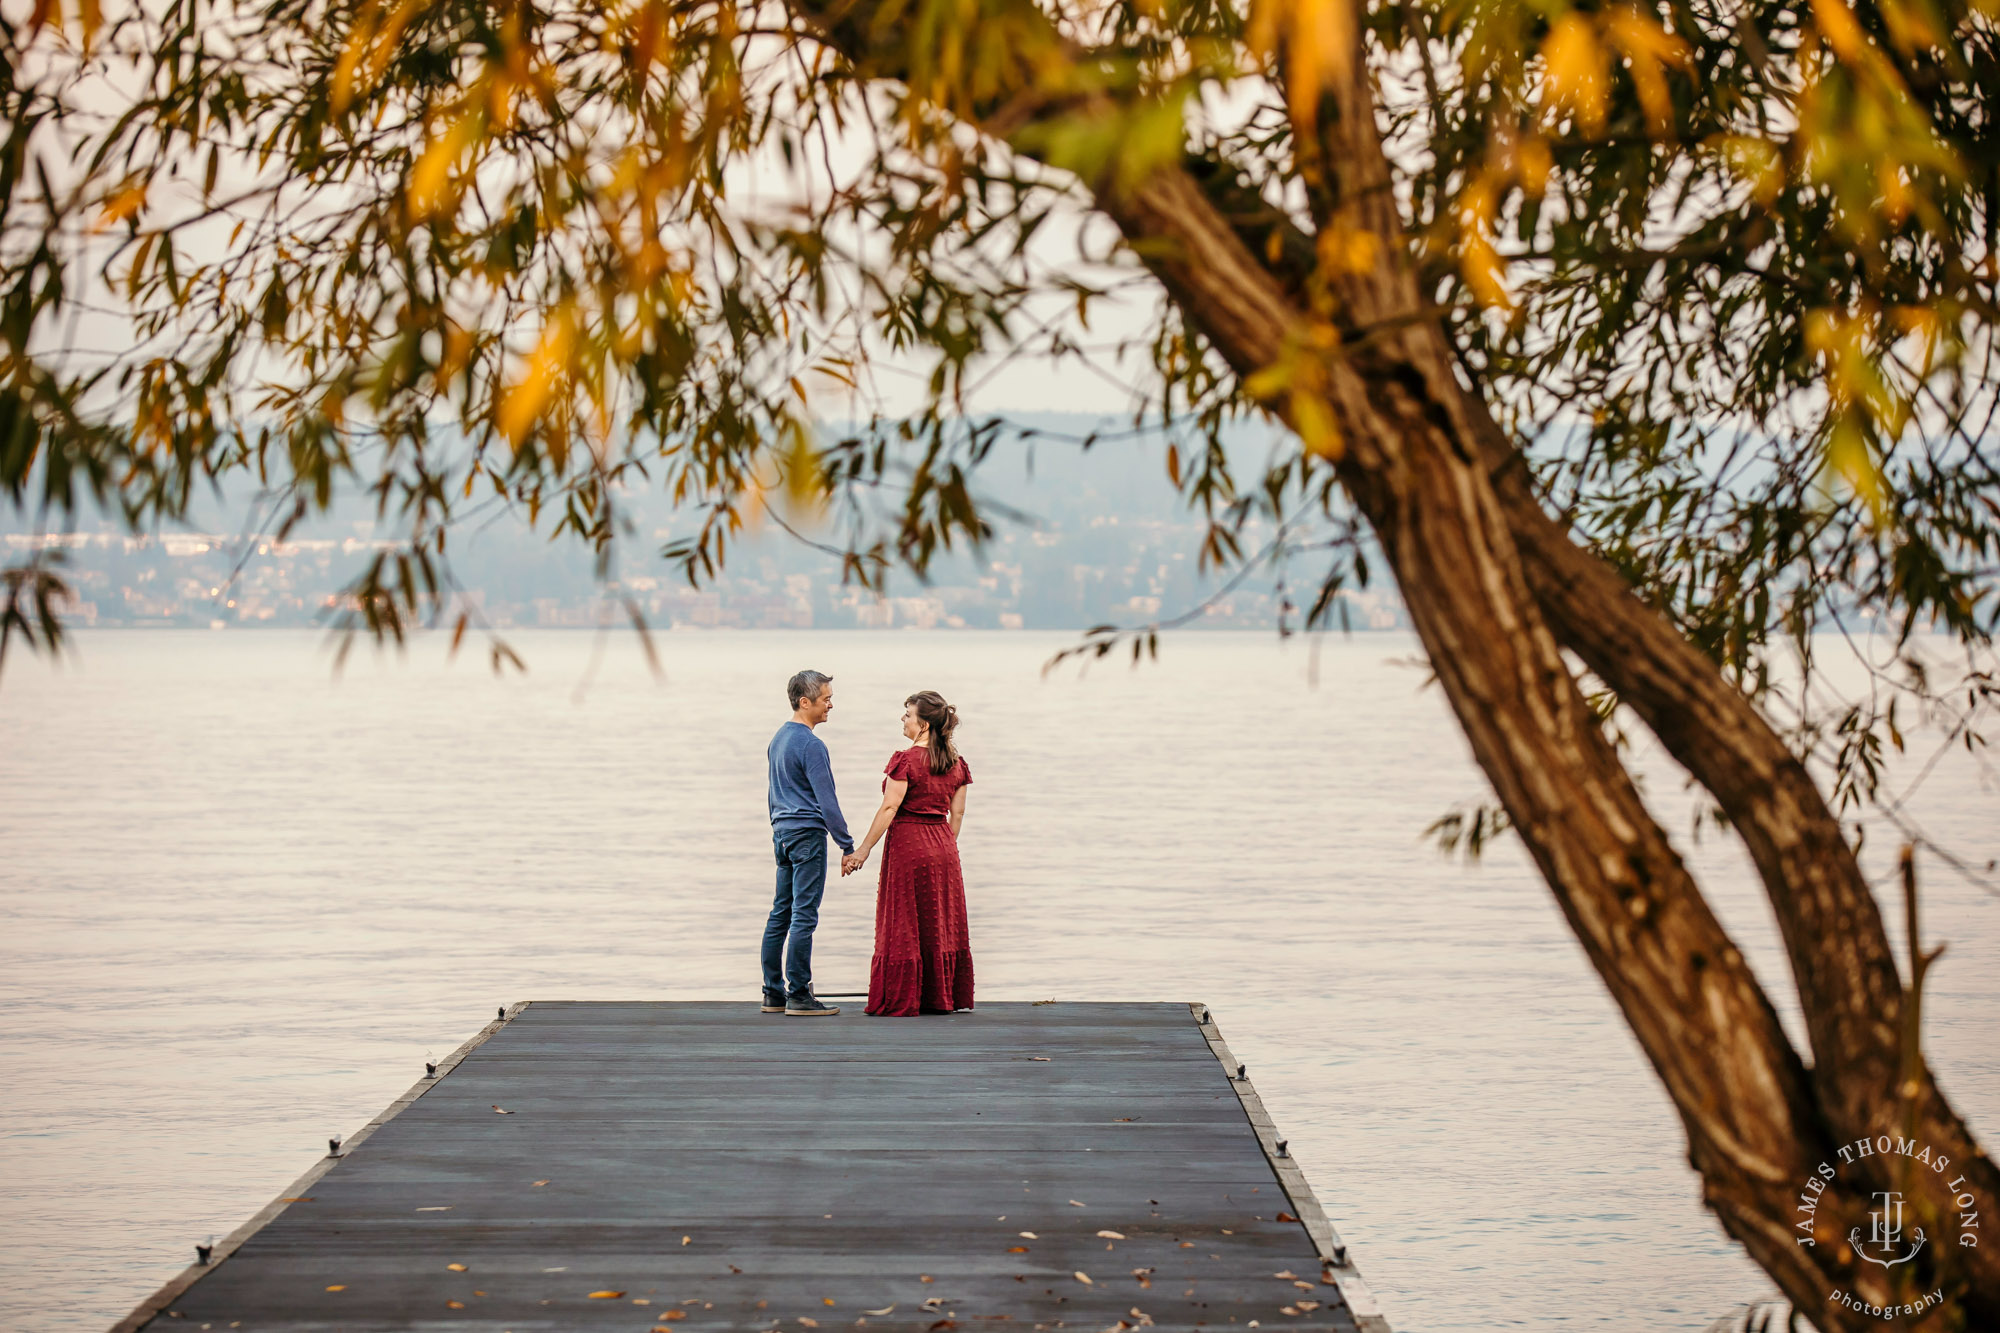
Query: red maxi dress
[923, 955]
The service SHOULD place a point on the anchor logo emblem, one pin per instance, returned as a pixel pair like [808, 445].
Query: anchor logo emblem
[1885, 1233]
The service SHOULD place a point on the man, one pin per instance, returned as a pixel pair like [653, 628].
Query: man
[804, 811]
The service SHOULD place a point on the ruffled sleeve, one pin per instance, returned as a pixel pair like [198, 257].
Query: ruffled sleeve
[964, 772]
[897, 768]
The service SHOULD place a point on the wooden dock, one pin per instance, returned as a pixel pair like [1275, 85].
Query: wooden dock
[694, 1166]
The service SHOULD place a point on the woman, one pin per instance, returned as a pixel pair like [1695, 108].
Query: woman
[923, 958]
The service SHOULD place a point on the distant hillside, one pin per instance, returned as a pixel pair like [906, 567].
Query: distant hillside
[1101, 538]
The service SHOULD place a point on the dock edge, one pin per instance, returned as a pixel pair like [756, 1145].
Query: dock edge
[1333, 1252]
[171, 1290]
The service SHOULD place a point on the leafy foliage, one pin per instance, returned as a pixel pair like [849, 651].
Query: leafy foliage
[1727, 268]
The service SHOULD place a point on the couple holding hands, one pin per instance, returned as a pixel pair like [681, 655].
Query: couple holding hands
[923, 956]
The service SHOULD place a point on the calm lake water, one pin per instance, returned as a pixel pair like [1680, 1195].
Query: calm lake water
[242, 899]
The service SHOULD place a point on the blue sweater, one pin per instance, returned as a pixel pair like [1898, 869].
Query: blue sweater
[802, 784]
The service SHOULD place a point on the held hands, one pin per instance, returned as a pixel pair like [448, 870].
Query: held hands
[852, 862]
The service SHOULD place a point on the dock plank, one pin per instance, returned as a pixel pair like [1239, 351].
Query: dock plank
[723, 1169]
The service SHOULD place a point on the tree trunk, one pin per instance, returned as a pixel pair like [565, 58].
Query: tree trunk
[1492, 585]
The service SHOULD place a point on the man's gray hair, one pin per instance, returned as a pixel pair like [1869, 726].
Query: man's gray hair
[806, 685]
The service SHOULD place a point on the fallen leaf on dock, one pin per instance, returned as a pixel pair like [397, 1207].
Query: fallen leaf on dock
[339, 1286]
[1083, 1277]
[884, 1310]
[1303, 1286]
[1043, 1058]
[672, 1315]
[926, 1277]
[298, 1198]
[687, 1240]
[563, 1269]
[605, 1295]
[1078, 1203]
[1112, 1235]
[454, 1305]
[1029, 1235]
[809, 1323]
[502, 1112]
[1286, 1217]
[1140, 1315]
[1125, 1120]
[826, 1300]
[1017, 1249]
[1287, 1309]
[541, 1182]
[1307, 1305]
[456, 1268]
[636, 1300]
[934, 1304]
[481, 1293]
[438, 1208]
[942, 1324]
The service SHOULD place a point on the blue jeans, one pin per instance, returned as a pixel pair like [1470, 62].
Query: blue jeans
[801, 854]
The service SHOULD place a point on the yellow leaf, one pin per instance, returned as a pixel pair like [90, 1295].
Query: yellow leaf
[1532, 164]
[122, 205]
[1318, 38]
[1647, 47]
[1849, 458]
[1484, 270]
[456, 1268]
[547, 368]
[605, 1295]
[338, 1286]
[1758, 162]
[1348, 249]
[1315, 425]
[1573, 66]
[1083, 1277]
[1843, 33]
[430, 180]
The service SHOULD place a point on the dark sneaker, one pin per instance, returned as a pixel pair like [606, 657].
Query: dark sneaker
[774, 1002]
[809, 1008]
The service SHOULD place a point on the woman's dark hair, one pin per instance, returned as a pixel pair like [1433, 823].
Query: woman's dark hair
[942, 719]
